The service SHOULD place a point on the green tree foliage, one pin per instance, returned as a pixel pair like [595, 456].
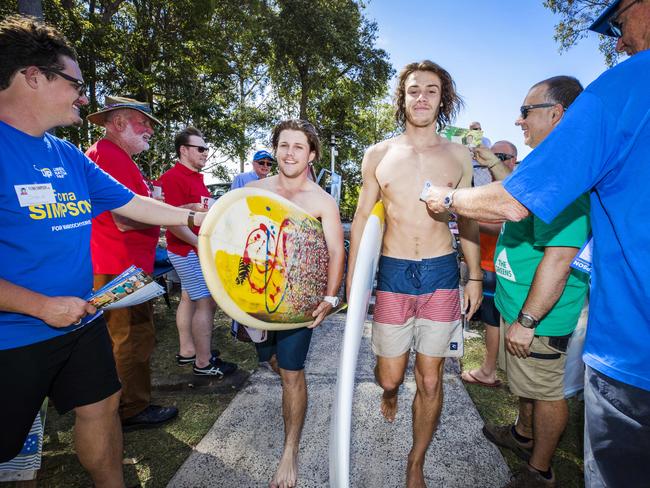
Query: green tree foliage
[325, 67]
[576, 17]
[232, 68]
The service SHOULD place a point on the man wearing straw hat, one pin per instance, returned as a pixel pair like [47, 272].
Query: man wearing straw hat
[117, 243]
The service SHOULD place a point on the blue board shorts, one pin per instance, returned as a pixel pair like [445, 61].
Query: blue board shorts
[418, 306]
[289, 346]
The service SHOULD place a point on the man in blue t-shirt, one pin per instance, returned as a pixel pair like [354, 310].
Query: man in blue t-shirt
[52, 341]
[601, 146]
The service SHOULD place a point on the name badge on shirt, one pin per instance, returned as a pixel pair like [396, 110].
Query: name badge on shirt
[35, 194]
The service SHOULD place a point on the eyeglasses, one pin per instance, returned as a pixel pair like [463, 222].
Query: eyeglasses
[503, 156]
[265, 162]
[200, 149]
[80, 85]
[524, 109]
[615, 26]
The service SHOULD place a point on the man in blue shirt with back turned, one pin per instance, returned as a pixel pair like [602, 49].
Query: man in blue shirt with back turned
[601, 146]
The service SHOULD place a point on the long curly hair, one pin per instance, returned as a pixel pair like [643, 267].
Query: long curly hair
[451, 102]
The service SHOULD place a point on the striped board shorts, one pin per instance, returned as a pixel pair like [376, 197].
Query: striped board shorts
[189, 271]
[418, 306]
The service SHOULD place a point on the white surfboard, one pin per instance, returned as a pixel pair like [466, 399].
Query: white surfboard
[360, 291]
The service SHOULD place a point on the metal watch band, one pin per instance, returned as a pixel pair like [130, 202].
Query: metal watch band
[526, 320]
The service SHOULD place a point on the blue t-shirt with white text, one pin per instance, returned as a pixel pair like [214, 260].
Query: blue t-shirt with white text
[45, 247]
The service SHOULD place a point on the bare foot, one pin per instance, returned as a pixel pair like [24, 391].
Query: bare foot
[286, 475]
[389, 406]
[414, 476]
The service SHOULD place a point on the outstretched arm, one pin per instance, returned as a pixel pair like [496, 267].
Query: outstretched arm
[149, 211]
[487, 203]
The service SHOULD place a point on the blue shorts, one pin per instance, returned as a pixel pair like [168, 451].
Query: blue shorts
[189, 271]
[487, 312]
[418, 306]
[289, 346]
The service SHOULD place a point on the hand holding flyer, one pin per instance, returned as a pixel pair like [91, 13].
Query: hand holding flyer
[132, 287]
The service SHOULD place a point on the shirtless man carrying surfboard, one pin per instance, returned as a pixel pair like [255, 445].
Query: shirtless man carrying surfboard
[296, 146]
[418, 302]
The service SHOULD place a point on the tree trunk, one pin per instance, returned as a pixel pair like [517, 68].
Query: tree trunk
[31, 7]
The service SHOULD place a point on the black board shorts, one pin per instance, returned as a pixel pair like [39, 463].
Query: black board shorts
[73, 370]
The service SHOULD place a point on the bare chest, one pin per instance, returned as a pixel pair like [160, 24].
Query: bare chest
[406, 171]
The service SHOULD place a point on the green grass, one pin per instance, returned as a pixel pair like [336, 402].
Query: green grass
[152, 456]
[499, 406]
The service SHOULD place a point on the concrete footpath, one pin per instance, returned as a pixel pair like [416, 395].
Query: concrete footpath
[243, 447]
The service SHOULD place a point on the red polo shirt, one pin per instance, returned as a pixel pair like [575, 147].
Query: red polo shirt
[113, 250]
[181, 185]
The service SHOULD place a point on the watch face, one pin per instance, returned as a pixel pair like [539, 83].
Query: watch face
[526, 321]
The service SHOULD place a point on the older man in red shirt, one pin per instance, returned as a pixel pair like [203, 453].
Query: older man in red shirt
[183, 187]
[117, 243]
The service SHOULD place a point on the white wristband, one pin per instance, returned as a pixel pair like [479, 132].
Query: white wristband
[333, 301]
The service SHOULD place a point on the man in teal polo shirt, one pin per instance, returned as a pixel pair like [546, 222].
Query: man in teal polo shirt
[540, 300]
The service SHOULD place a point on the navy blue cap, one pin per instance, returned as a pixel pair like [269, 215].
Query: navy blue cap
[601, 24]
[259, 155]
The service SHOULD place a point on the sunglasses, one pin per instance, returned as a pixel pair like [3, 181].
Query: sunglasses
[265, 162]
[615, 26]
[503, 156]
[524, 109]
[79, 84]
[200, 149]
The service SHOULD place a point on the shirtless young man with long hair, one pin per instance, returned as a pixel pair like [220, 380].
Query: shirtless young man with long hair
[418, 301]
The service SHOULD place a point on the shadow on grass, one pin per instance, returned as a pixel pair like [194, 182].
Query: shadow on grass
[499, 406]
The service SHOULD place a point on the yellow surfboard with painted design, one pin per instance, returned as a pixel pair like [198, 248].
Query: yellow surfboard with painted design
[264, 259]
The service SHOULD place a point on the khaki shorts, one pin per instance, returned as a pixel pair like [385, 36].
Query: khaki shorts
[533, 377]
[435, 339]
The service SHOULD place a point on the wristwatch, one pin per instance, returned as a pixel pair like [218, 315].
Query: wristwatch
[526, 320]
[190, 219]
[333, 301]
[448, 201]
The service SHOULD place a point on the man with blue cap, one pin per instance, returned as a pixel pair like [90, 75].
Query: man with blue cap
[262, 163]
[606, 132]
